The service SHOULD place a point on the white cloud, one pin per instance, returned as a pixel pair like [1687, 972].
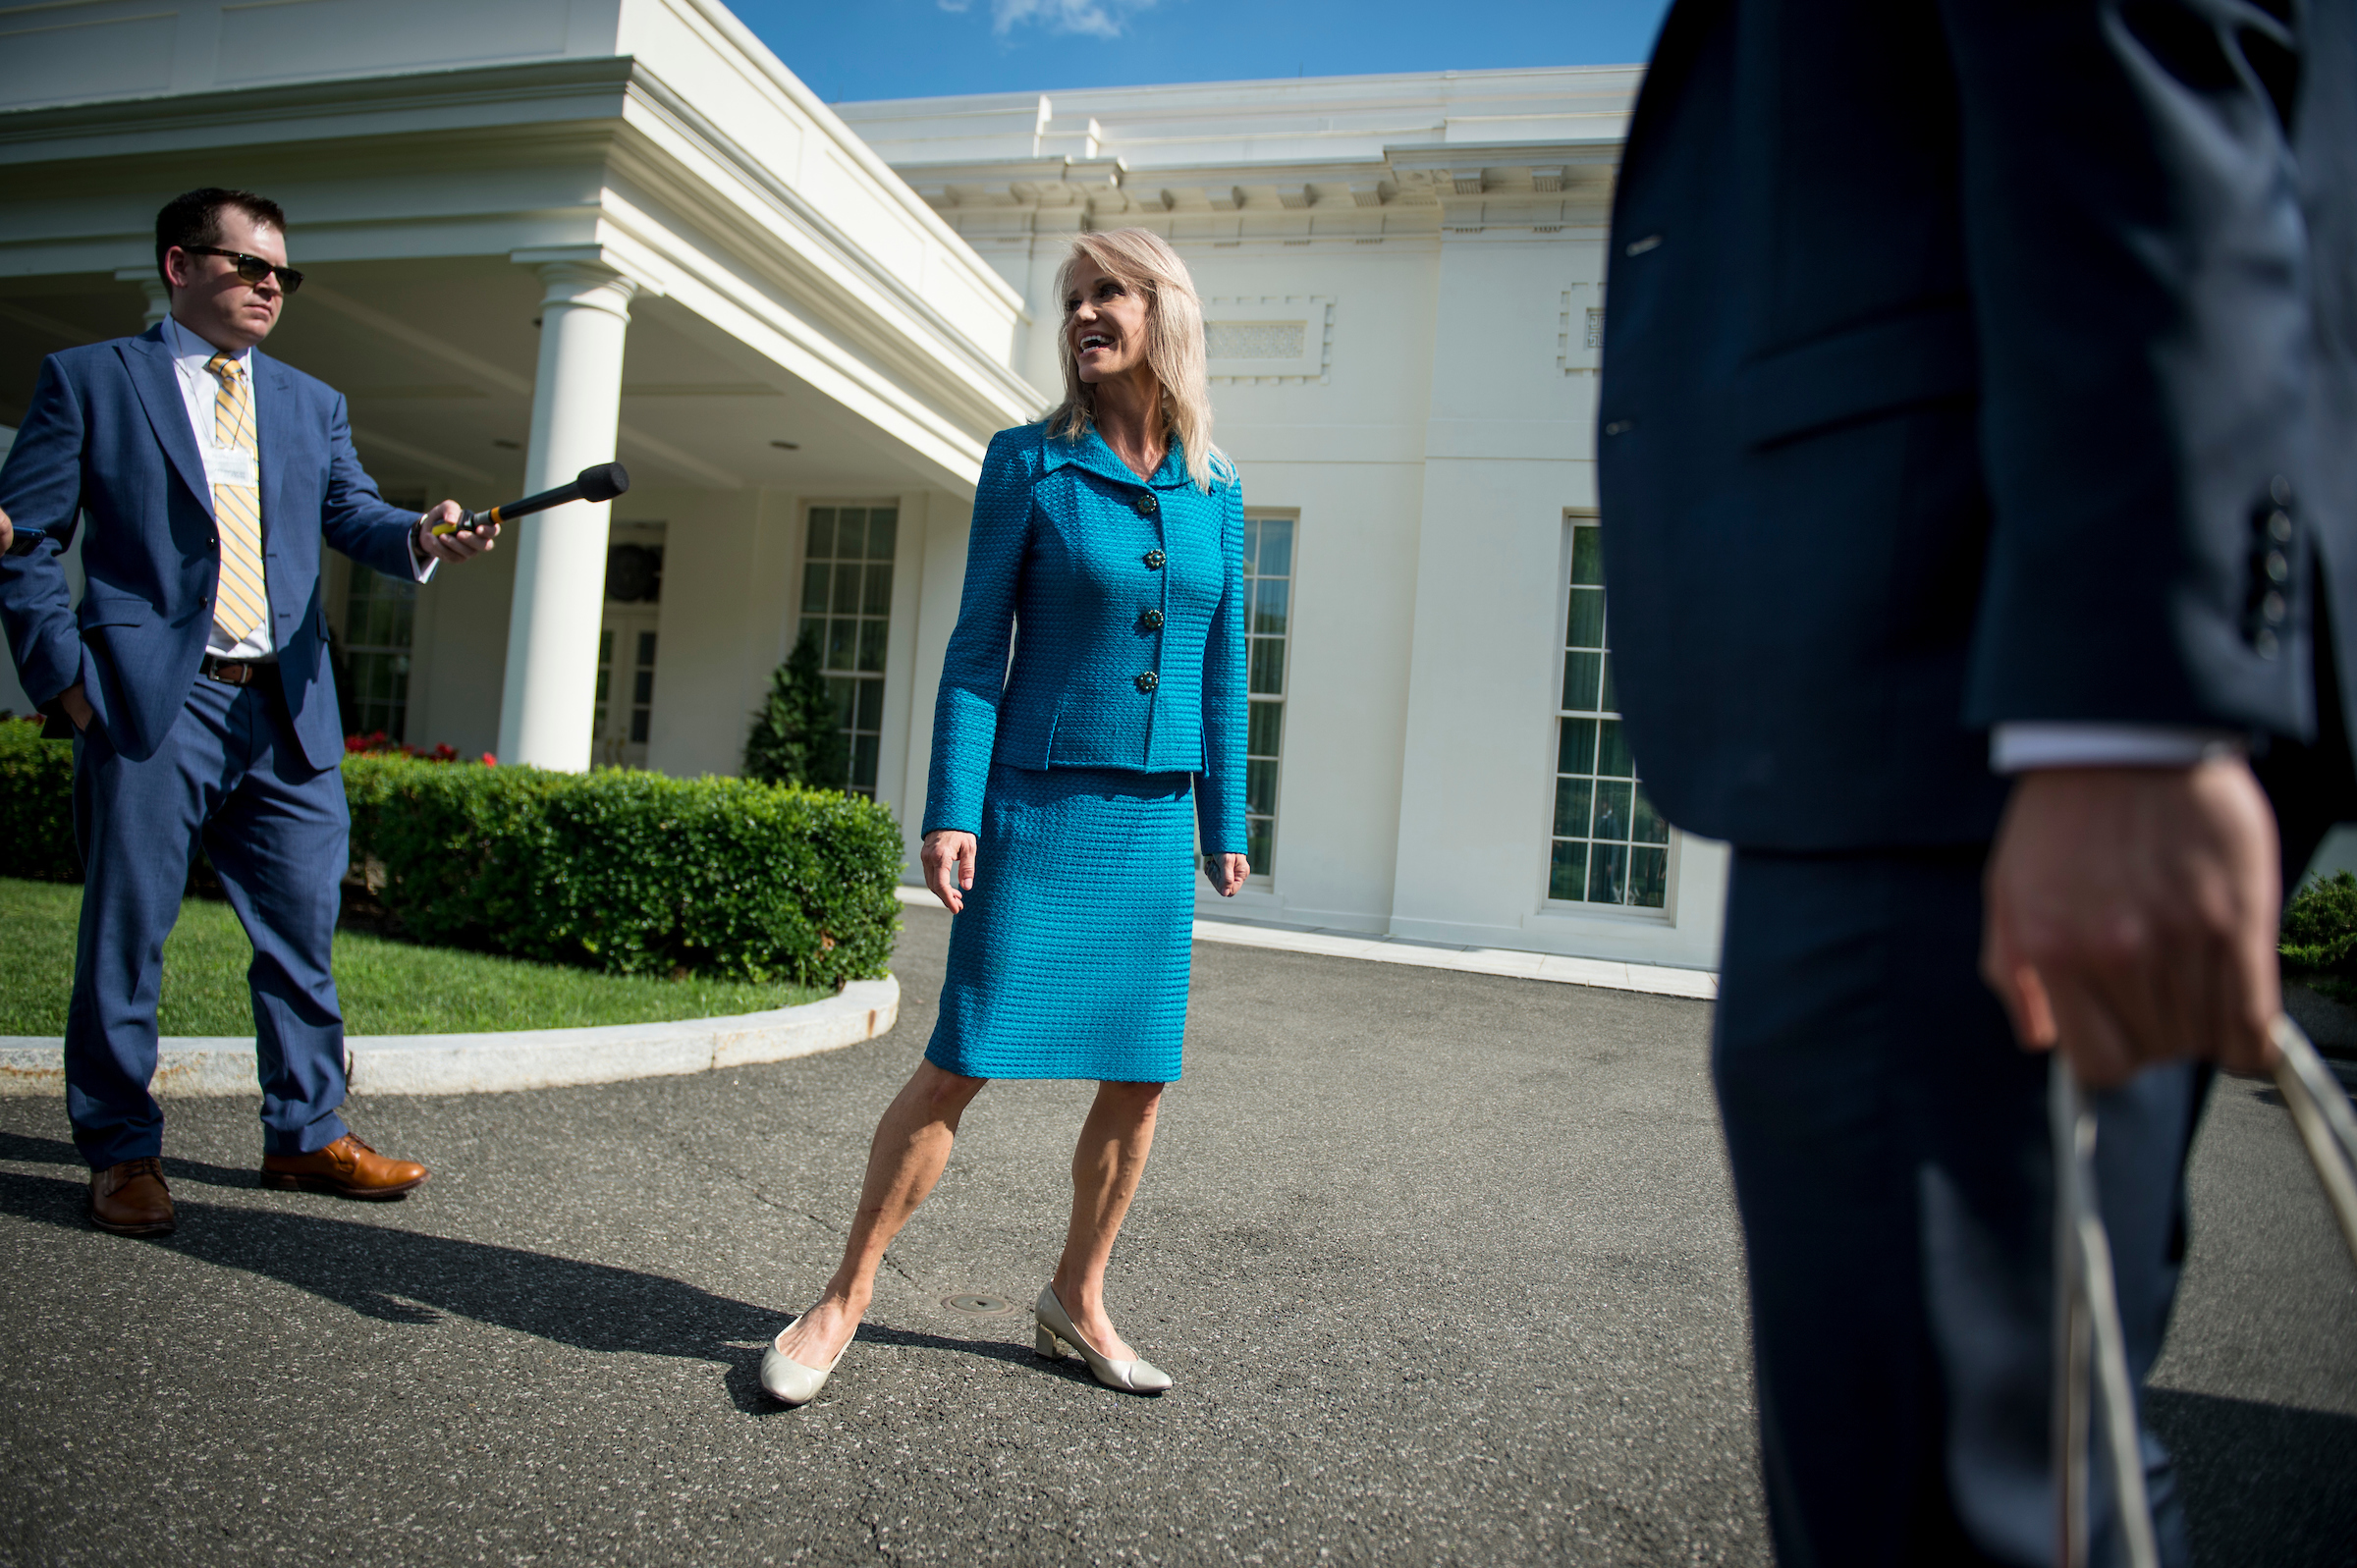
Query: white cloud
[1100, 19]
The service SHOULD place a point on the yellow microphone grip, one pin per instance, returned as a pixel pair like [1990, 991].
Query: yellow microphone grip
[470, 521]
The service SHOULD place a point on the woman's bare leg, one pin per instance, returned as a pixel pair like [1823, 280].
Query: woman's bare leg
[910, 1147]
[1107, 1163]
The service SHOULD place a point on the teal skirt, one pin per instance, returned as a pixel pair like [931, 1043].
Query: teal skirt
[1070, 959]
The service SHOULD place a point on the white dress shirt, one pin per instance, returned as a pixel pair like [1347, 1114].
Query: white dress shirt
[201, 393]
[2027, 745]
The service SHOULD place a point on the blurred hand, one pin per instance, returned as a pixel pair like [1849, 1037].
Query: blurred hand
[77, 706]
[948, 859]
[2131, 917]
[453, 546]
[1226, 873]
[8, 533]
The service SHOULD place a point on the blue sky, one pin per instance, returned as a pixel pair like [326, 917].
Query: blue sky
[848, 49]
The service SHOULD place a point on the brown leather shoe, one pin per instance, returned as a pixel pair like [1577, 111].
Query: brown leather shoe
[348, 1167]
[131, 1200]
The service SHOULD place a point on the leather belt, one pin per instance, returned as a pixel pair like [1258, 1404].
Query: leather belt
[236, 671]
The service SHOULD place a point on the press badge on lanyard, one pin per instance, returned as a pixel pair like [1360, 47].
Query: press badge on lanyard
[223, 466]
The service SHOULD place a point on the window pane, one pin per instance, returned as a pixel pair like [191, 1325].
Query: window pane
[845, 692]
[878, 600]
[871, 705]
[1584, 627]
[1611, 811]
[1649, 878]
[863, 763]
[1611, 752]
[638, 721]
[646, 649]
[851, 534]
[843, 644]
[642, 688]
[1572, 807]
[1607, 867]
[1610, 702]
[815, 629]
[1251, 546]
[1575, 747]
[1568, 877]
[847, 590]
[822, 533]
[1581, 672]
[1270, 602]
[815, 577]
[1264, 729]
[883, 532]
[1276, 547]
[1268, 666]
[871, 645]
[1260, 789]
[1260, 846]
[1587, 555]
[1650, 828]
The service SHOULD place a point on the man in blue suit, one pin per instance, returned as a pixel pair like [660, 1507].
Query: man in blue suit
[196, 676]
[1978, 497]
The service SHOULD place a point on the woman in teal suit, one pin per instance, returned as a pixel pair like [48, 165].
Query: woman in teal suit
[1067, 785]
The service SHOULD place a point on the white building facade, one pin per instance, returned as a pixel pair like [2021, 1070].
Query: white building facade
[549, 232]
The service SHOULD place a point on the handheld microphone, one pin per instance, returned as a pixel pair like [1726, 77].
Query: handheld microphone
[599, 483]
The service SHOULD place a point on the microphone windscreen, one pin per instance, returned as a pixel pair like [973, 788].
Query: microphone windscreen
[603, 482]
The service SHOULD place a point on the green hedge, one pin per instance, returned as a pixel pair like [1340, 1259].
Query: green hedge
[2320, 937]
[629, 872]
[36, 781]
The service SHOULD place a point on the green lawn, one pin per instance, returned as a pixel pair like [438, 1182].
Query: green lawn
[388, 988]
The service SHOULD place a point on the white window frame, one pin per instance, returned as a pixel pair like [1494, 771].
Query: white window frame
[1547, 903]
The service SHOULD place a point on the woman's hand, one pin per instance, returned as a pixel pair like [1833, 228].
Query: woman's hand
[948, 859]
[1226, 873]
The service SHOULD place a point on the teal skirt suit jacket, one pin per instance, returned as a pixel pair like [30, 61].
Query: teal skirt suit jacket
[1088, 764]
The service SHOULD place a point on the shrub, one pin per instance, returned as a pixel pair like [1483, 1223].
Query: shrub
[36, 779]
[2320, 935]
[632, 873]
[797, 735]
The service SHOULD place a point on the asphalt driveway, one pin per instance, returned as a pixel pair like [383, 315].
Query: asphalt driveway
[1444, 1266]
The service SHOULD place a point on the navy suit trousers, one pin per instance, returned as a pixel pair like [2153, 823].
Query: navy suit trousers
[1891, 1159]
[231, 774]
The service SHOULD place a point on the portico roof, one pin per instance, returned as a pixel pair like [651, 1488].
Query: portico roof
[792, 289]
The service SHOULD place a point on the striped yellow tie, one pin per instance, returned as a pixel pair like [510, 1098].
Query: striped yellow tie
[245, 602]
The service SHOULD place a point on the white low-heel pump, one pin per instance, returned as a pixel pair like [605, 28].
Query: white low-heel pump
[788, 1381]
[1056, 1332]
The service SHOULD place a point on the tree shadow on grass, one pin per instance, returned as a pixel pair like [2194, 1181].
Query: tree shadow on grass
[402, 1278]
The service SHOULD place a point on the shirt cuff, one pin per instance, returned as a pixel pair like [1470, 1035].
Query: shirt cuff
[421, 564]
[2027, 745]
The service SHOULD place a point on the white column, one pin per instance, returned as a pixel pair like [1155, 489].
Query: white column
[546, 707]
[160, 298]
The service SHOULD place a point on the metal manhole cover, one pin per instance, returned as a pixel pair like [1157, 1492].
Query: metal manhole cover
[979, 1306]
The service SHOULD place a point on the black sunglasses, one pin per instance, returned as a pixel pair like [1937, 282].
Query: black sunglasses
[252, 269]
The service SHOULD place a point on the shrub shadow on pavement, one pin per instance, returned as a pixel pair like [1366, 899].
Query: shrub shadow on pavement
[2264, 1483]
[403, 1278]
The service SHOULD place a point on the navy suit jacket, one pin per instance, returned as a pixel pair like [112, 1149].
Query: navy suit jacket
[108, 436]
[1957, 355]
[1128, 594]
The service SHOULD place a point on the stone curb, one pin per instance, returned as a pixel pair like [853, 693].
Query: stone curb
[1659, 980]
[492, 1063]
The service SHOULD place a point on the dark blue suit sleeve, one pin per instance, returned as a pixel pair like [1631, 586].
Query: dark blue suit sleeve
[2138, 262]
[355, 517]
[973, 673]
[42, 488]
[1219, 788]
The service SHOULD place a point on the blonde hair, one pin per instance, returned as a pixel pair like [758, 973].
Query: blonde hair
[1143, 260]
